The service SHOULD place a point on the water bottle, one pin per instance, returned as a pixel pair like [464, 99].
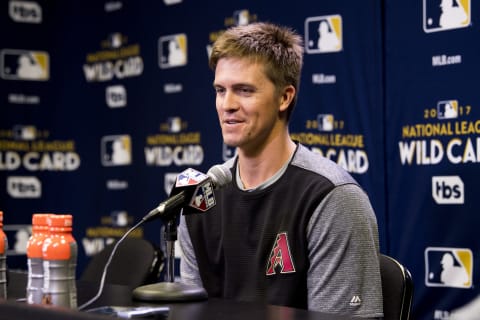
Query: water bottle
[35, 258]
[59, 263]
[3, 260]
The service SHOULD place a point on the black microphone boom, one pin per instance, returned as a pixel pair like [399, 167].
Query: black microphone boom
[173, 203]
[193, 191]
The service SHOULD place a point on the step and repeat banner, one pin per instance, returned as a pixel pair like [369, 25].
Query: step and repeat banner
[103, 103]
[433, 149]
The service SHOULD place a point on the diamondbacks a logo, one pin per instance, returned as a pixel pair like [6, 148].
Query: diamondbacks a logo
[280, 258]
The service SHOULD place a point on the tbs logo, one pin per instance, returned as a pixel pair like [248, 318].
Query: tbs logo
[25, 11]
[24, 187]
[448, 190]
[116, 96]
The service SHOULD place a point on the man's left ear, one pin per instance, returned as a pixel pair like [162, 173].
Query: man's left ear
[287, 97]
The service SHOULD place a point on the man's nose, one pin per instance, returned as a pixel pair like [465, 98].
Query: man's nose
[229, 101]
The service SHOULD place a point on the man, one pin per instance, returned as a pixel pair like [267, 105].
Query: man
[292, 228]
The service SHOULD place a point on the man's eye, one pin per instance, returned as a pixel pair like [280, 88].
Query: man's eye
[246, 90]
[219, 90]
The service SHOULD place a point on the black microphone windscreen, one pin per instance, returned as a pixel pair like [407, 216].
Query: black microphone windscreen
[220, 175]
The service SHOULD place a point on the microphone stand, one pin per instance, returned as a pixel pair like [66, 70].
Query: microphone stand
[170, 238]
[170, 290]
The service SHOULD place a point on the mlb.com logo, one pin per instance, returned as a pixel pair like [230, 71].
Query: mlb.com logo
[448, 190]
[441, 15]
[448, 267]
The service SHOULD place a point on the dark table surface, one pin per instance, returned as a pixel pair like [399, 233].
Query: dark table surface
[119, 295]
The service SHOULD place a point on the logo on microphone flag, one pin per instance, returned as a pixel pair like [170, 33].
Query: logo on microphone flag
[203, 199]
[190, 177]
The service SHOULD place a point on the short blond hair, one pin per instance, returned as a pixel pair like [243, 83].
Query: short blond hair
[278, 47]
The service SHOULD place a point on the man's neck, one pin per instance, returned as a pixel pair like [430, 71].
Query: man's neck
[255, 170]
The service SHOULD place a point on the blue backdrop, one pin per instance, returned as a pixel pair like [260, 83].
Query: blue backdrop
[102, 103]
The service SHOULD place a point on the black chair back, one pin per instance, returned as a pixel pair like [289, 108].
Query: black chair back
[136, 262]
[397, 287]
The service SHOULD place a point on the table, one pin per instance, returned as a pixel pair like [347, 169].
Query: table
[210, 309]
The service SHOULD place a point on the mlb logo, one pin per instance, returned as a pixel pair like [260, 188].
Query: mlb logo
[441, 15]
[325, 122]
[448, 267]
[447, 109]
[23, 132]
[174, 124]
[115, 40]
[190, 177]
[241, 17]
[172, 51]
[116, 150]
[17, 238]
[323, 34]
[119, 218]
[24, 65]
[203, 199]
[116, 96]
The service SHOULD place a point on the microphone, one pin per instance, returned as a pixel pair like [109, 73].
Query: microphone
[193, 191]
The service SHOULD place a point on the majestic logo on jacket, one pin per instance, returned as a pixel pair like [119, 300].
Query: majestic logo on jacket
[280, 258]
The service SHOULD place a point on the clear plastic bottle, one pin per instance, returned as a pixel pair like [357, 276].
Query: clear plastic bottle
[3, 260]
[35, 257]
[59, 263]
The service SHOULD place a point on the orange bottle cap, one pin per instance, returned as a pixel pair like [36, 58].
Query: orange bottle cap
[40, 219]
[60, 220]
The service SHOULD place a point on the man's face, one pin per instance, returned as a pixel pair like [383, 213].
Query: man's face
[247, 104]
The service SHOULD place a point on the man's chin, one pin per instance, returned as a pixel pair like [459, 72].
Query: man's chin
[233, 143]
